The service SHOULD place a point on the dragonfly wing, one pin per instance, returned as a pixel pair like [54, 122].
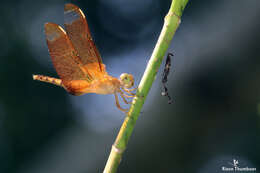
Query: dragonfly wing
[78, 31]
[64, 57]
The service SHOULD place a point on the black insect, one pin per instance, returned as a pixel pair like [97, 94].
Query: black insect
[166, 72]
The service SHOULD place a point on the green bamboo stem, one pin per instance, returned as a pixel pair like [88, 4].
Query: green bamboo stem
[171, 23]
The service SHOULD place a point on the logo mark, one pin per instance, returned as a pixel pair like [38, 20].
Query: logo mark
[236, 168]
[234, 164]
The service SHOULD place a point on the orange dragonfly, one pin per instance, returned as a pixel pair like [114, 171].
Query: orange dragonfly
[78, 62]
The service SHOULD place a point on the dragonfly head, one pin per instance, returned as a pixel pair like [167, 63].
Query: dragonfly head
[127, 80]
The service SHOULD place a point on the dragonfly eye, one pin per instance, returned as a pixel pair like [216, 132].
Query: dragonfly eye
[127, 80]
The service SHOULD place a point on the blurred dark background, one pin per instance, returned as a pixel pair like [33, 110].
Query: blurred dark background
[214, 83]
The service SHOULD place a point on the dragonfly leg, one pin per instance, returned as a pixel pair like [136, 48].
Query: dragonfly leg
[123, 97]
[126, 94]
[132, 89]
[128, 91]
[118, 105]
